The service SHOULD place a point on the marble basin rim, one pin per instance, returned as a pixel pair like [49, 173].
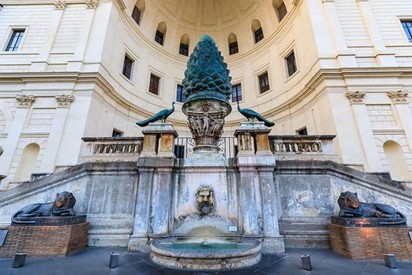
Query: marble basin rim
[204, 258]
[252, 247]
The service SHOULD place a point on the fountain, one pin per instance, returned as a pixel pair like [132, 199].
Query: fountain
[205, 212]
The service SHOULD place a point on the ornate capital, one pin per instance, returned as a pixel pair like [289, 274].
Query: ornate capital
[64, 100]
[92, 4]
[355, 97]
[25, 100]
[399, 97]
[60, 4]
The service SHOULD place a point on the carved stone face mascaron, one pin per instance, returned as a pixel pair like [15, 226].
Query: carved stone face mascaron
[205, 198]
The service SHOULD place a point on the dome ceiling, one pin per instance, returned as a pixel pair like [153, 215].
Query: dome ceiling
[206, 14]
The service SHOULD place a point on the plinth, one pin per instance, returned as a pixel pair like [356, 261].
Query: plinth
[370, 242]
[46, 240]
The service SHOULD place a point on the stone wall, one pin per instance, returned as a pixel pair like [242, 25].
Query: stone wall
[112, 195]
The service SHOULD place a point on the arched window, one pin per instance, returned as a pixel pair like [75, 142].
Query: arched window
[161, 33]
[27, 162]
[184, 45]
[257, 30]
[398, 168]
[280, 9]
[138, 11]
[232, 41]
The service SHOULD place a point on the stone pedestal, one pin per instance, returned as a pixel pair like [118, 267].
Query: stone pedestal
[45, 240]
[159, 140]
[360, 243]
[253, 138]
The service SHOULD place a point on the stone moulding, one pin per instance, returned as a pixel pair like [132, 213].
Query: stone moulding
[355, 97]
[25, 100]
[399, 97]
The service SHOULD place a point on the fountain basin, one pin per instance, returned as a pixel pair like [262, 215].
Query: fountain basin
[205, 256]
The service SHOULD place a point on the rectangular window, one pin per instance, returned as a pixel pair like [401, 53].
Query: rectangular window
[236, 93]
[159, 37]
[302, 132]
[291, 63]
[136, 15]
[116, 133]
[180, 97]
[258, 35]
[180, 151]
[233, 48]
[127, 66]
[15, 40]
[282, 11]
[184, 49]
[264, 82]
[407, 26]
[154, 84]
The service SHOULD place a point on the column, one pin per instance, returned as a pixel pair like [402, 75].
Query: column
[56, 133]
[370, 152]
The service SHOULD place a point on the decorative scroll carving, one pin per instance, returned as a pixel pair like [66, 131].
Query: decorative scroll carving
[60, 4]
[25, 100]
[64, 100]
[355, 97]
[92, 4]
[399, 97]
[205, 197]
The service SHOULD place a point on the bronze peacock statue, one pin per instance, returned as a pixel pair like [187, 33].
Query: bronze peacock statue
[250, 114]
[163, 115]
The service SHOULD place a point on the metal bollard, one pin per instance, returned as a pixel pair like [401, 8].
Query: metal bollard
[114, 260]
[306, 264]
[19, 259]
[390, 260]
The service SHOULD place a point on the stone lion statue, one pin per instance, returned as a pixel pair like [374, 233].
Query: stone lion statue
[62, 206]
[350, 206]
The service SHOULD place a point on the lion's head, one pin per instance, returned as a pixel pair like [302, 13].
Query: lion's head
[64, 200]
[348, 200]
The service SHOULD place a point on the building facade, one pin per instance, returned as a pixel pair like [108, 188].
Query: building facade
[91, 68]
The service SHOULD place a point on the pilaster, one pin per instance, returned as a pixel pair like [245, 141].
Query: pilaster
[370, 152]
[56, 132]
[384, 58]
[344, 56]
[40, 63]
[401, 104]
[24, 103]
